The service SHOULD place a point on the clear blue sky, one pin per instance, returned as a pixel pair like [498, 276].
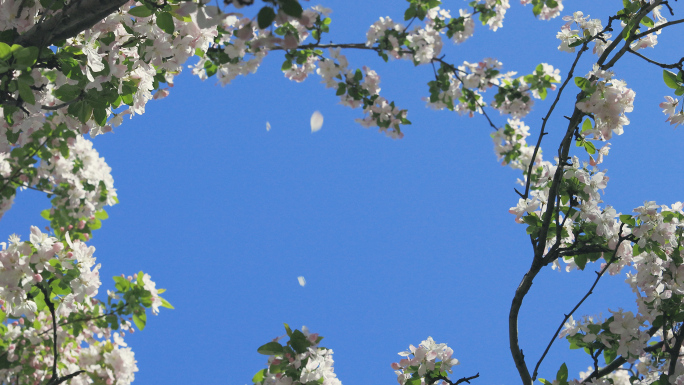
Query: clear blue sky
[398, 239]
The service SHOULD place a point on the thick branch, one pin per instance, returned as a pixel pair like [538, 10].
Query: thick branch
[69, 22]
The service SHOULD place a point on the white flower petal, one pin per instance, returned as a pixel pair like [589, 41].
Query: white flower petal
[316, 121]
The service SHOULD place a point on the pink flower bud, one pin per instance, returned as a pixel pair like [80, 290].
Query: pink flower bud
[81, 224]
[21, 321]
[37, 278]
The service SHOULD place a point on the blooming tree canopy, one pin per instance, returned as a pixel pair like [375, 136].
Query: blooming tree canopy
[71, 68]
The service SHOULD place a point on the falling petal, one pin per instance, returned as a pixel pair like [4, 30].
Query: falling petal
[268, 126]
[301, 280]
[316, 121]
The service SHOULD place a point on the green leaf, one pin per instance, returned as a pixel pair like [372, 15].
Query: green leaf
[679, 91]
[648, 22]
[628, 219]
[670, 79]
[545, 382]
[265, 17]
[341, 89]
[270, 349]
[609, 355]
[581, 261]
[121, 284]
[140, 320]
[100, 116]
[562, 375]
[165, 22]
[46, 214]
[166, 303]
[259, 376]
[102, 214]
[589, 147]
[25, 57]
[288, 330]
[410, 13]
[140, 11]
[586, 126]
[582, 83]
[139, 279]
[5, 51]
[299, 342]
[80, 110]
[67, 92]
[26, 93]
[292, 8]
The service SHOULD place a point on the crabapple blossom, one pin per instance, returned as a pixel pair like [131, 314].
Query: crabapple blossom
[427, 362]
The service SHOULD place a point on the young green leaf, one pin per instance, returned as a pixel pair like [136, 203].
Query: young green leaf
[165, 22]
[140, 11]
[270, 349]
[670, 79]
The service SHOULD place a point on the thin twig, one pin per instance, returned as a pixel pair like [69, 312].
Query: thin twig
[589, 292]
[548, 115]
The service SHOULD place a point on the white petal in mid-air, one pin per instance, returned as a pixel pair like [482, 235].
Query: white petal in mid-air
[268, 126]
[301, 280]
[316, 121]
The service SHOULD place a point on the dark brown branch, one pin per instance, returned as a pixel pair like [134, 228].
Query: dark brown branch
[55, 352]
[86, 319]
[661, 65]
[674, 351]
[650, 31]
[432, 380]
[57, 107]
[67, 377]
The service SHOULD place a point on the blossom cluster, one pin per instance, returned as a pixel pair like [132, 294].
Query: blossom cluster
[428, 362]
[607, 100]
[45, 278]
[299, 361]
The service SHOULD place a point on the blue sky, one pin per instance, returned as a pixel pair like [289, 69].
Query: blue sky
[398, 239]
